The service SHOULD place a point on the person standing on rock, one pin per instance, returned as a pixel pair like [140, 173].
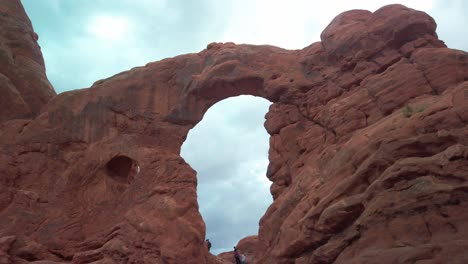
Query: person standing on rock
[208, 244]
[237, 256]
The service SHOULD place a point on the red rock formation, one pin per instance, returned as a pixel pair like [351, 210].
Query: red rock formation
[25, 88]
[368, 153]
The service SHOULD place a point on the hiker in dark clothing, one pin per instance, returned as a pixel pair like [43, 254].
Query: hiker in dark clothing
[208, 244]
[237, 256]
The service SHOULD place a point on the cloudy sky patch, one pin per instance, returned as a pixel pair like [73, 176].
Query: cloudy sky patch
[229, 151]
[90, 40]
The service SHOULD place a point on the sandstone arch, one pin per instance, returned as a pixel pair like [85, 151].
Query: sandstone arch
[340, 150]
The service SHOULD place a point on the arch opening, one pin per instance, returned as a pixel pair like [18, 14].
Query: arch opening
[229, 150]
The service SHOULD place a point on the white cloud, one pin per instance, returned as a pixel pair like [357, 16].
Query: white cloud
[109, 27]
[295, 24]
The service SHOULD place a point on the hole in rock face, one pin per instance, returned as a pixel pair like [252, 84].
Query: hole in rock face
[229, 151]
[122, 169]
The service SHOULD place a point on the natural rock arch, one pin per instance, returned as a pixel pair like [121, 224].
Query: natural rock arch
[340, 150]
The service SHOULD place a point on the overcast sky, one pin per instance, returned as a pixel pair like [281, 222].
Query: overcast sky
[87, 40]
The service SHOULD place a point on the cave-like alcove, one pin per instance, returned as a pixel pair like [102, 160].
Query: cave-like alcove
[122, 169]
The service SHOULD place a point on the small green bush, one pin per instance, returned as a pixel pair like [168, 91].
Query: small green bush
[407, 111]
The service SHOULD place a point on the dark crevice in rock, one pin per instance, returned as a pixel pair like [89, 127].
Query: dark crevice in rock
[326, 128]
[61, 256]
[28, 256]
[384, 67]
[330, 255]
[428, 227]
[434, 90]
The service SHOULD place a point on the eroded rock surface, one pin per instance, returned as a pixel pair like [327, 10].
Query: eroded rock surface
[24, 85]
[368, 153]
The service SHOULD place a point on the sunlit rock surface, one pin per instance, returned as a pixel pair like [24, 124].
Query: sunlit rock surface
[368, 150]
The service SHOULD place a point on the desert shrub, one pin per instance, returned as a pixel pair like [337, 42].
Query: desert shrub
[407, 111]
